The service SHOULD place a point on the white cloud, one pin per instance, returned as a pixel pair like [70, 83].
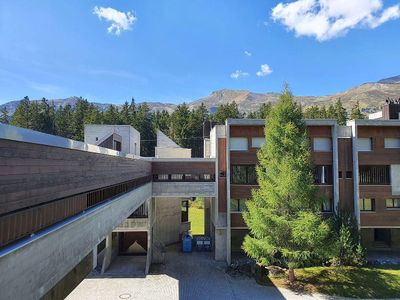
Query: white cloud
[237, 74]
[327, 19]
[120, 21]
[264, 71]
[247, 53]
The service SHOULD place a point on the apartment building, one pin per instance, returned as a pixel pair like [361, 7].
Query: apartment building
[357, 167]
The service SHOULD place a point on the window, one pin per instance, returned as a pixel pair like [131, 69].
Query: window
[117, 145]
[256, 142]
[322, 144]
[177, 177]
[327, 205]
[375, 175]
[323, 175]
[393, 203]
[364, 144]
[392, 142]
[185, 211]
[340, 175]
[243, 174]
[349, 174]
[238, 144]
[162, 176]
[367, 204]
[238, 205]
[97, 138]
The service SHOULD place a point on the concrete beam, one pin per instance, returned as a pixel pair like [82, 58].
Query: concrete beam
[32, 267]
[183, 189]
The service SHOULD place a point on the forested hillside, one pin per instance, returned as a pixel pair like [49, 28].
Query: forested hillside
[183, 125]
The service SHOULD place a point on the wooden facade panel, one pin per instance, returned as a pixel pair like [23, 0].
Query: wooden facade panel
[379, 157]
[246, 131]
[222, 176]
[319, 131]
[241, 191]
[31, 174]
[237, 220]
[346, 194]
[322, 158]
[378, 131]
[183, 167]
[244, 157]
[375, 191]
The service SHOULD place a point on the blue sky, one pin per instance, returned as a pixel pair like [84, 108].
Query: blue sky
[180, 50]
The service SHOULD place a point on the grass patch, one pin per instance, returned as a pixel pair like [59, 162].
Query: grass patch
[367, 282]
[196, 217]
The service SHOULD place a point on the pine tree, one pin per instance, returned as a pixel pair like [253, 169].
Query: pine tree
[22, 115]
[356, 113]
[4, 118]
[63, 121]
[226, 111]
[340, 113]
[283, 213]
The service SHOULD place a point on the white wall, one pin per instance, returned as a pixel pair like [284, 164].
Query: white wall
[130, 136]
[395, 179]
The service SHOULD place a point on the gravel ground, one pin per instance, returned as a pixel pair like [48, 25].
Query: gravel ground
[183, 276]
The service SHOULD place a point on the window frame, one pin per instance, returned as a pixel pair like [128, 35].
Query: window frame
[361, 204]
[247, 173]
[260, 144]
[392, 138]
[243, 139]
[393, 200]
[322, 138]
[241, 205]
[330, 205]
[327, 171]
[370, 144]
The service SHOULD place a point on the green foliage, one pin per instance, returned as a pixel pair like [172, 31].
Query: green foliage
[283, 213]
[347, 249]
[226, 111]
[356, 113]
[4, 118]
[335, 111]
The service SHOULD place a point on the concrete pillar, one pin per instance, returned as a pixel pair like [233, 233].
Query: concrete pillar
[220, 244]
[207, 215]
[107, 253]
[94, 257]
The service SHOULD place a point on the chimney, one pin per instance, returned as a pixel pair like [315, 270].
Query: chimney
[391, 110]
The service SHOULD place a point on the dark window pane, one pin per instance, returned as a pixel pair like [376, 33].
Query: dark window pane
[234, 204]
[349, 174]
[251, 175]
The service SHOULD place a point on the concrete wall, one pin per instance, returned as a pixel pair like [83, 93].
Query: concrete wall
[184, 189]
[130, 136]
[54, 252]
[71, 280]
[167, 225]
[220, 244]
[173, 152]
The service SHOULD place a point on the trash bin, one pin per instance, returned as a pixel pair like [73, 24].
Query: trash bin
[187, 243]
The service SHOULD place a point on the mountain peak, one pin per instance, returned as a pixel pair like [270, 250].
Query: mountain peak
[390, 80]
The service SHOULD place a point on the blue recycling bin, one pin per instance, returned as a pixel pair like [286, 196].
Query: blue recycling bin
[187, 243]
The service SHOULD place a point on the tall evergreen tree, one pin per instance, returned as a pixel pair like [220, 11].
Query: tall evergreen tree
[4, 118]
[283, 213]
[143, 122]
[22, 115]
[340, 112]
[226, 111]
[111, 116]
[80, 111]
[356, 113]
[63, 122]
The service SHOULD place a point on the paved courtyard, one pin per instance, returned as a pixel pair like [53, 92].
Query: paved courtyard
[184, 276]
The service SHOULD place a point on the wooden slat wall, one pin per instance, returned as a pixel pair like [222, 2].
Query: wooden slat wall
[222, 180]
[345, 155]
[31, 174]
[192, 167]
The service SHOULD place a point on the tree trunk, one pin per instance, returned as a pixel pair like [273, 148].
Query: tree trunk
[292, 276]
